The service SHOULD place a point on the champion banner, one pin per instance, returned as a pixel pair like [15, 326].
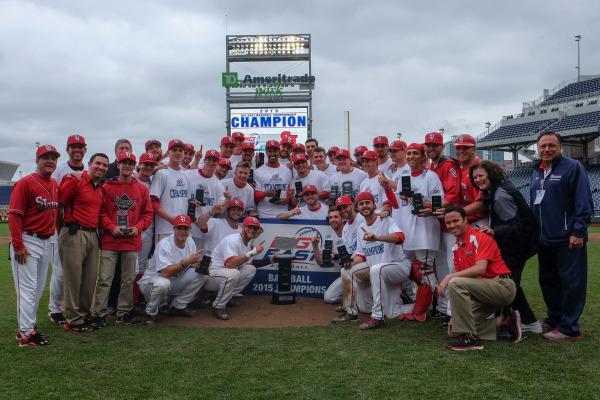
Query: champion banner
[308, 279]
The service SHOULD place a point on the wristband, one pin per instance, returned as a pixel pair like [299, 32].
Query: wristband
[251, 253]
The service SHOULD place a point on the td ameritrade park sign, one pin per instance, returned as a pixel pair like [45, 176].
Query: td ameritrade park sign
[267, 85]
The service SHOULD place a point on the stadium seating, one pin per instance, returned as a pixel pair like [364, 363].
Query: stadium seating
[575, 89]
[577, 121]
[512, 131]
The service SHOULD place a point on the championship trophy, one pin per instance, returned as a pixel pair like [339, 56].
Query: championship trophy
[405, 186]
[333, 194]
[283, 293]
[251, 177]
[298, 186]
[345, 257]
[417, 201]
[277, 196]
[199, 195]
[348, 190]
[260, 160]
[124, 203]
[436, 202]
[202, 268]
[327, 252]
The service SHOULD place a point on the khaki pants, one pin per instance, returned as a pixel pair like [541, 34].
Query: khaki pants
[108, 262]
[79, 258]
[475, 300]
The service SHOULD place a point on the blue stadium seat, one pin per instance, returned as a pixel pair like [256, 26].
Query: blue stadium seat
[575, 89]
[512, 131]
[577, 121]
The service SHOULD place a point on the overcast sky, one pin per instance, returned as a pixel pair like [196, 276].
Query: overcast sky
[141, 69]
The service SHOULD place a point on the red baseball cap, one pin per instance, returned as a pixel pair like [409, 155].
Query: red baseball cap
[398, 145]
[126, 155]
[226, 140]
[237, 135]
[251, 221]
[434, 138]
[75, 139]
[151, 142]
[360, 150]
[248, 146]
[342, 153]
[182, 220]
[370, 154]
[189, 147]
[235, 202]
[176, 142]
[333, 149]
[299, 146]
[45, 149]
[365, 196]
[416, 146]
[225, 162]
[299, 158]
[212, 154]
[310, 189]
[343, 200]
[272, 144]
[286, 140]
[148, 158]
[464, 140]
[380, 140]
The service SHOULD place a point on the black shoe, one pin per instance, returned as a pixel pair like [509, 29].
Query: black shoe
[220, 313]
[81, 328]
[57, 318]
[97, 322]
[35, 339]
[435, 314]
[406, 299]
[445, 321]
[128, 318]
[185, 312]
[465, 342]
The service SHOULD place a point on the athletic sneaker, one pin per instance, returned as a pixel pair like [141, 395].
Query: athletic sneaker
[128, 318]
[557, 336]
[513, 325]
[220, 313]
[535, 327]
[345, 317]
[465, 342]
[435, 314]
[35, 339]
[81, 328]
[185, 312]
[372, 323]
[340, 308]
[57, 318]
[97, 322]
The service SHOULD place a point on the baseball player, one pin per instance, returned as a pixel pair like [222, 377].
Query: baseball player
[465, 153]
[212, 189]
[188, 155]
[332, 153]
[358, 152]
[147, 164]
[154, 146]
[334, 292]
[347, 179]
[374, 180]
[239, 187]
[169, 191]
[285, 151]
[238, 139]
[80, 202]
[399, 166]
[231, 269]
[298, 148]
[305, 176]
[272, 183]
[312, 208]
[32, 219]
[171, 278]
[248, 154]
[319, 161]
[310, 145]
[215, 229]
[223, 169]
[76, 149]
[448, 170]
[381, 146]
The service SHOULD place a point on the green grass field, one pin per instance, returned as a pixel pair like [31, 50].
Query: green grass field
[403, 360]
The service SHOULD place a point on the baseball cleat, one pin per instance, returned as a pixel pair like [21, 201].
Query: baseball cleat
[345, 317]
[220, 313]
[128, 318]
[57, 318]
[465, 342]
[34, 339]
[372, 323]
[557, 337]
[81, 328]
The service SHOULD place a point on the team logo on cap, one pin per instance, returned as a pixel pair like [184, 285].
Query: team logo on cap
[182, 218]
[48, 147]
[432, 136]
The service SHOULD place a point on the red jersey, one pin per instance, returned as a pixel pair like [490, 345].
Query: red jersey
[476, 246]
[33, 208]
[469, 192]
[448, 170]
[81, 200]
[130, 199]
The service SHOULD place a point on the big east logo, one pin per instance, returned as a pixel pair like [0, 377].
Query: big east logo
[303, 254]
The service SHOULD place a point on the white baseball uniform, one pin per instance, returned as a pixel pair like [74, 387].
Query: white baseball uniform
[306, 213]
[147, 240]
[352, 179]
[244, 193]
[373, 186]
[386, 168]
[172, 189]
[213, 194]
[268, 178]
[334, 293]
[217, 230]
[316, 178]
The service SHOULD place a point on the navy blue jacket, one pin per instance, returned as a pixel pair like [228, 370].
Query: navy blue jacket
[567, 206]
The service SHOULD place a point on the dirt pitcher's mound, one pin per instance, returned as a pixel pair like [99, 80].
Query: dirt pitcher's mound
[258, 312]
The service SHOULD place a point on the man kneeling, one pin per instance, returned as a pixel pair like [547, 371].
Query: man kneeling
[171, 273]
[481, 284]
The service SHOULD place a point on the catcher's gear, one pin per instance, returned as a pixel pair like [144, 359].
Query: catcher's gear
[422, 303]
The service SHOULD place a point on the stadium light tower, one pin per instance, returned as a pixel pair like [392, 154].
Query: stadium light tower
[578, 39]
[487, 125]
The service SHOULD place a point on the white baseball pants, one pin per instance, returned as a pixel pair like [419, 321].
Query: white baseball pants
[335, 292]
[357, 289]
[387, 281]
[55, 304]
[30, 280]
[228, 282]
[444, 265]
[142, 256]
[182, 288]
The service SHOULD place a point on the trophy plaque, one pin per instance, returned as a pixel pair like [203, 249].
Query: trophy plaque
[333, 194]
[251, 177]
[199, 195]
[123, 221]
[260, 160]
[283, 293]
[436, 202]
[348, 190]
[202, 268]
[345, 257]
[417, 200]
[191, 211]
[328, 252]
[405, 186]
[298, 186]
[277, 196]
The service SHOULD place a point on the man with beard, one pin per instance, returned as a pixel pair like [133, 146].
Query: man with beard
[272, 183]
[285, 151]
[223, 169]
[188, 155]
[334, 292]
[381, 146]
[310, 145]
[215, 229]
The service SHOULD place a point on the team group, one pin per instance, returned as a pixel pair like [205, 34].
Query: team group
[417, 234]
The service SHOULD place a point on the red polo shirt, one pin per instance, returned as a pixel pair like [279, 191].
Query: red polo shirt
[81, 200]
[476, 246]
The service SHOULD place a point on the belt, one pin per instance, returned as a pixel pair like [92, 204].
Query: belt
[38, 235]
[505, 276]
[81, 228]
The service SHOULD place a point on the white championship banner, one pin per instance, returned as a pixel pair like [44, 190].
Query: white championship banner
[308, 278]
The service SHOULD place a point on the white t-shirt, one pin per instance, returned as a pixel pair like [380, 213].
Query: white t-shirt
[231, 246]
[217, 229]
[267, 179]
[245, 194]
[386, 168]
[397, 176]
[213, 193]
[350, 232]
[329, 171]
[305, 213]
[317, 178]
[167, 253]
[378, 252]
[373, 186]
[348, 181]
[235, 159]
[422, 233]
[171, 187]
[64, 168]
